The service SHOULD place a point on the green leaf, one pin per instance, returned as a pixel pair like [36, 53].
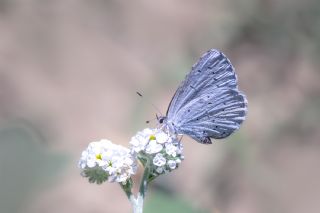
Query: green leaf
[95, 175]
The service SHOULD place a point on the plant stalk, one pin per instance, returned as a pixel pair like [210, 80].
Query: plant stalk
[137, 203]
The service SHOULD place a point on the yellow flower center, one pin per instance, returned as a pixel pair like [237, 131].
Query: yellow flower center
[99, 156]
[152, 137]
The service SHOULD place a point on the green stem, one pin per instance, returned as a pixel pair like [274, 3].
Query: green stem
[127, 189]
[145, 179]
[137, 203]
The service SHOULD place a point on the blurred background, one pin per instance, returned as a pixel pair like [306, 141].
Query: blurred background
[69, 71]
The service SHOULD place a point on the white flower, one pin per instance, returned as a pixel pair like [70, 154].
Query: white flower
[159, 160]
[153, 147]
[117, 161]
[92, 155]
[140, 140]
[150, 141]
[179, 148]
[159, 170]
[82, 162]
[148, 131]
[162, 148]
[162, 137]
[172, 164]
[178, 161]
[171, 149]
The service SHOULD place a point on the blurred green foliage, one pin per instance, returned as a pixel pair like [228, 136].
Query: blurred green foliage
[159, 202]
[25, 166]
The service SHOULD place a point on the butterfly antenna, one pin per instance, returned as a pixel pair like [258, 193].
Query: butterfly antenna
[148, 121]
[154, 106]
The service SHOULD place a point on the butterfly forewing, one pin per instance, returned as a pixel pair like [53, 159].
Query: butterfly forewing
[213, 70]
[208, 104]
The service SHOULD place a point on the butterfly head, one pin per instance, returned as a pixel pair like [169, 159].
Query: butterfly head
[167, 124]
[161, 119]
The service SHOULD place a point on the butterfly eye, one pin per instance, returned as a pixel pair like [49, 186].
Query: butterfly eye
[161, 119]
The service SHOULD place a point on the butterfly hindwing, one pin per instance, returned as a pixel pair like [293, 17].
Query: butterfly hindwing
[214, 117]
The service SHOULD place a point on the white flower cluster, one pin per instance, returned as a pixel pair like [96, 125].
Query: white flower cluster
[163, 148]
[103, 160]
[117, 162]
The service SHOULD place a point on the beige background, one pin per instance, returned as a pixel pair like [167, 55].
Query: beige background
[68, 75]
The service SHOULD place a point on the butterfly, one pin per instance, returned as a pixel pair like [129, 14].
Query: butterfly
[207, 104]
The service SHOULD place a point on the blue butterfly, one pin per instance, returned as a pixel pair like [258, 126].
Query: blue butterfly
[207, 104]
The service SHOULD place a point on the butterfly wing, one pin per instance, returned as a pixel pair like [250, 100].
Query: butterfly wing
[215, 115]
[208, 104]
[212, 70]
